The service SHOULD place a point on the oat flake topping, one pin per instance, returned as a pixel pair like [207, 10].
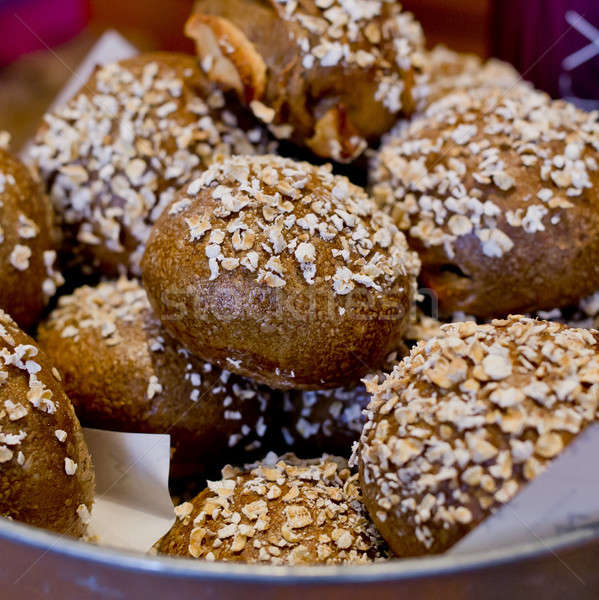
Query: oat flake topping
[274, 217]
[472, 415]
[282, 512]
[446, 71]
[20, 254]
[359, 33]
[484, 162]
[15, 360]
[115, 154]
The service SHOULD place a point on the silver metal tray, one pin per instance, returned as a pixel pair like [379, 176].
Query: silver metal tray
[37, 564]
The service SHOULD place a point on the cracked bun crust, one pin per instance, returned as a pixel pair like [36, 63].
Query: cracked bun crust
[464, 422]
[114, 156]
[46, 475]
[281, 512]
[123, 372]
[332, 75]
[281, 272]
[27, 246]
[498, 193]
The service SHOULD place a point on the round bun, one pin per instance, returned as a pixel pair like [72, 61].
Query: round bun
[324, 421]
[281, 272]
[330, 75]
[469, 418]
[27, 245]
[498, 192]
[123, 372]
[47, 478]
[447, 71]
[281, 512]
[114, 156]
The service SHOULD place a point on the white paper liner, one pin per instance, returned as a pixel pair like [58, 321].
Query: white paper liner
[133, 508]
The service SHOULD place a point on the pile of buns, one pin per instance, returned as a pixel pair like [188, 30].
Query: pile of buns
[222, 285]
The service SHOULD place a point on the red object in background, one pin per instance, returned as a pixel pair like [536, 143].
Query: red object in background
[553, 43]
[28, 25]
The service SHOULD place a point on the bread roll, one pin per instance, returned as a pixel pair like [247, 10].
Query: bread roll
[497, 191]
[123, 372]
[28, 274]
[332, 75]
[280, 272]
[470, 417]
[113, 157]
[280, 512]
[46, 475]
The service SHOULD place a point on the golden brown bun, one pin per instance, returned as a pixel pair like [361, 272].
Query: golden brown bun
[332, 76]
[447, 71]
[497, 191]
[469, 418]
[281, 272]
[123, 372]
[324, 421]
[114, 156]
[27, 245]
[282, 512]
[46, 478]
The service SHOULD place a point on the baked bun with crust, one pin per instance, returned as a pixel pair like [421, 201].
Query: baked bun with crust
[28, 276]
[123, 372]
[281, 512]
[332, 75]
[498, 193]
[463, 423]
[47, 479]
[114, 156]
[281, 272]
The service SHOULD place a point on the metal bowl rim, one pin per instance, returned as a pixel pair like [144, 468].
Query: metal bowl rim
[434, 566]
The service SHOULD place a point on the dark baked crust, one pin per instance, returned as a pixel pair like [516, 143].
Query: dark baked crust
[123, 372]
[46, 478]
[290, 511]
[27, 245]
[463, 423]
[329, 76]
[497, 191]
[245, 274]
[114, 156]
